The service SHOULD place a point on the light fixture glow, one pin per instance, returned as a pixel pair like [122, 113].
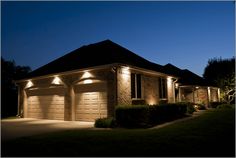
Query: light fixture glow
[88, 81]
[197, 87]
[176, 85]
[87, 75]
[56, 80]
[29, 84]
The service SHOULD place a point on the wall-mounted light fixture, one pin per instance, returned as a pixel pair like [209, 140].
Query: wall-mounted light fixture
[176, 85]
[88, 81]
[29, 84]
[197, 87]
[56, 80]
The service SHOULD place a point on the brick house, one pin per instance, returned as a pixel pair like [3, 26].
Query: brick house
[89, 82]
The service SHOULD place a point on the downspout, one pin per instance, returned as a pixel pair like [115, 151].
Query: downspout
[114, 70]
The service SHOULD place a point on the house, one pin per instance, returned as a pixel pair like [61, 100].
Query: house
[193, 88]
[89, 82]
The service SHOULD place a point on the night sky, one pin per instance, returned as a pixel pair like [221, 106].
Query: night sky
[185, 34]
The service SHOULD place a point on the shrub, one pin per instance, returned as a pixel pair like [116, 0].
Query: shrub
[215, 104]
[190, 107]
[200, 106]
[132, 116]
[166, 112]
[104, 123]
[225, 106]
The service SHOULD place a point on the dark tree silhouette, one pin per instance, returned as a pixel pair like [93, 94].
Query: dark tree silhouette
[222, 73]
[10, 72]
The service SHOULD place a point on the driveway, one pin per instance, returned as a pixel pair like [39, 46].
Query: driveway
[15, 128]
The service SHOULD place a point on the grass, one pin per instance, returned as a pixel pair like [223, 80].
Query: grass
[211, 134]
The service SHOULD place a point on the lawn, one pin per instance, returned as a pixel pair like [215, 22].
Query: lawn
[211, 134]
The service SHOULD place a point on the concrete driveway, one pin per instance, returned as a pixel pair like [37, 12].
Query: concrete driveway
[15, 128]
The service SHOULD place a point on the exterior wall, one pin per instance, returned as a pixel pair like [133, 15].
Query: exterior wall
[68, 81]
[201, 96]
[170, 91]
[214, 94]
[150, 89]
[123, 86]
[118, 88]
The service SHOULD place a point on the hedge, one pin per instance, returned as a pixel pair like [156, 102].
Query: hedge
[215, 104]
[133, 116]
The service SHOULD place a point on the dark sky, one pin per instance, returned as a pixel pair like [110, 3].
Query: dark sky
[185, 34]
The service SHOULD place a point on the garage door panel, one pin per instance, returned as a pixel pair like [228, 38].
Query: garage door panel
[91, 101]
[46, 103]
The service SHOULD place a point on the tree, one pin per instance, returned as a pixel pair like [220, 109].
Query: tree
[221, 72]
[10, 72]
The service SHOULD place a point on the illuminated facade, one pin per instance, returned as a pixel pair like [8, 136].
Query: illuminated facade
[76, 88]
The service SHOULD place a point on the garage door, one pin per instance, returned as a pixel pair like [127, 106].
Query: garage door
[91, 101]
[46, 103]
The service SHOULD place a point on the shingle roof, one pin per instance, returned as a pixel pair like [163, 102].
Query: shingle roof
[186, 77]
[101, 53]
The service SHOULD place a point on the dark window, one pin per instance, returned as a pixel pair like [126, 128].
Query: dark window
[162, 88]
[138, 83]
[133, 85]
[136, 87]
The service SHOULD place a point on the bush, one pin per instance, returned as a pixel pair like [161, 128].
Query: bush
[132, 116]
[215, 104]
[104, 123]
[225, 106]
[190, 107]
[200, 106]
[166, 112]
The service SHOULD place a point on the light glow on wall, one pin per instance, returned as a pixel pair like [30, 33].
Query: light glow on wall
[87, 75]
[176, 85]
[56, 80]
[125, 70]
[88, 81]
[209, 93]
[169, 80]
[29, 84]
[197, 87]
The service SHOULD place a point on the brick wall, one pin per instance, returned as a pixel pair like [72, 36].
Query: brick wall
[123, 86]
[150, 89]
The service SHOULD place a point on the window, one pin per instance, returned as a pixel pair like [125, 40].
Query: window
[162, 88]
[136, 86]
